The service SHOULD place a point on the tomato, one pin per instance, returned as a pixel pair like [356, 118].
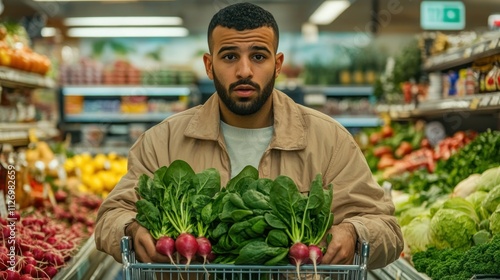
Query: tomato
[385, 161]
[425, 143]
[387, 131]
[375, 137]
[382, 150]
[403, 149]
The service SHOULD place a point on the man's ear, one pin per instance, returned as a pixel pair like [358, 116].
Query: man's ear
[280, 57]
[207, 60]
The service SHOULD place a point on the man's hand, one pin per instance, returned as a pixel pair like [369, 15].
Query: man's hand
[144, 245]
[342, 246]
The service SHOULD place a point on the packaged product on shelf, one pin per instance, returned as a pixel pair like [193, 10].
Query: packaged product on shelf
[491, 78]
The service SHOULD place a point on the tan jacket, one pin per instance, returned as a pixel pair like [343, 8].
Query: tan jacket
[305, 142]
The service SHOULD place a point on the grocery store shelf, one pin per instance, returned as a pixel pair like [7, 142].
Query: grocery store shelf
[17, 78]
[358, 121]
[17, 134]
[479, 103]
[100, 117]
[103, 90]
[462, 56]
[339, 91]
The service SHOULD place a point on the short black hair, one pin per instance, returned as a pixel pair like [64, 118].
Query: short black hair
[243, 16]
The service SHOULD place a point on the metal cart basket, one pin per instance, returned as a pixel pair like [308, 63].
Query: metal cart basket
[133, 270]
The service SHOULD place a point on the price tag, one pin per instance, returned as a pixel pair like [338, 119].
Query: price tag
[493, 44]
[467, 52]
[474, 103]
[479, 49]
[495, 100]
[484, 101]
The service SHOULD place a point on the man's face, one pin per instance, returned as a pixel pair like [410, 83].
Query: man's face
[244, 66]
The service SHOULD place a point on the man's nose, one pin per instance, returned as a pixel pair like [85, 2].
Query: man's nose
[244, 69]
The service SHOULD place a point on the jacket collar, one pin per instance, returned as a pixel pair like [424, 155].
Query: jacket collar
[289, 123]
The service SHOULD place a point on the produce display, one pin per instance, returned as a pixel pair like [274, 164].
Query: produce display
[38, 242]
[96, 174]
[191, 216]
[15, 50]
[449, 213]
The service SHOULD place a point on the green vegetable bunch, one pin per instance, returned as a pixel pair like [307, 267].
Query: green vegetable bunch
[452, 264]
[244, 223]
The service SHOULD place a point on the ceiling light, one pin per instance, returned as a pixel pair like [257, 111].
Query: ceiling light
[120, 21]
[48, 32]
[93, 32]
[328, 11]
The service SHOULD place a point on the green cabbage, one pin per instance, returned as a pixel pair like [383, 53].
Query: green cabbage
[452, 228]
[463, 205]
[417, 235]
[495, 222]
[492, 200]
[489, 179]
[477, 198]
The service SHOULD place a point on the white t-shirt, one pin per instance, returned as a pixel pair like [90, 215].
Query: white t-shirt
[245, 146]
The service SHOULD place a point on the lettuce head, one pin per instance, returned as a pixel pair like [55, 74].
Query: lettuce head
[451, 228]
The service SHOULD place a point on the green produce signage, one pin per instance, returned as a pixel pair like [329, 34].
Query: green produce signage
[442, 15]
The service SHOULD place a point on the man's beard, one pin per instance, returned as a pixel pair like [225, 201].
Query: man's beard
[244, 108]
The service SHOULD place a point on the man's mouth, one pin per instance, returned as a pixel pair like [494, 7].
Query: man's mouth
[244, 90]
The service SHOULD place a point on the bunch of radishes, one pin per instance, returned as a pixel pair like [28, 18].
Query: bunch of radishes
[171, 207]
[307, 218]
[42, 246]
[47, 238]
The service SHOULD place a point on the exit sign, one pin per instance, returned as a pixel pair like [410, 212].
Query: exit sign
[442, 15]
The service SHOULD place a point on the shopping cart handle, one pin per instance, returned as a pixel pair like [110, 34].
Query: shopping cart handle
[126, 245]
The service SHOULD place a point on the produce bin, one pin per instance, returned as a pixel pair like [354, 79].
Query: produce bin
[156, 271]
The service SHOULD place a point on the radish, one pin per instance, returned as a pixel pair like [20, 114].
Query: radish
[298, 254]
[204, 248]
[166, 246]
[12, 275]
[315, 256]
[51, 271]
[187, 246]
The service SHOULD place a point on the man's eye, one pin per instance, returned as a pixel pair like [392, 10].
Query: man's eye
[229, 57]
[259, 57]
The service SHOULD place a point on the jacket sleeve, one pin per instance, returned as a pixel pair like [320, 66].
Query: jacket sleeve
[358, 199]
[118, 209]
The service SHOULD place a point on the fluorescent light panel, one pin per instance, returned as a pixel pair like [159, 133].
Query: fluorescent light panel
[48, 32]
[328, 11]
[94, 32]
[120, 21]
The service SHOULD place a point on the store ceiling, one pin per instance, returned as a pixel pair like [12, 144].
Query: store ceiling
[396, 16]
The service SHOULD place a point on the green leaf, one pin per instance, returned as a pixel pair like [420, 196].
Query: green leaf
[207, 182]
[276, 222]
[149, 217]
[248, 171]
[256, 200]
[277, 238]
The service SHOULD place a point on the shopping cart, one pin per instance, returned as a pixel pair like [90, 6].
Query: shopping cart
[133, 270]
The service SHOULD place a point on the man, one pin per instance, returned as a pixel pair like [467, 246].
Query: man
[248, 122]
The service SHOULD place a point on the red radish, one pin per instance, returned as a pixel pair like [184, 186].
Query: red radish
[298, 254]
[315, 256]
[204, 248]
[30, 269]
[13, 275]
[50, 271]
[26, 277]
[166, 246]
[187, 246]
